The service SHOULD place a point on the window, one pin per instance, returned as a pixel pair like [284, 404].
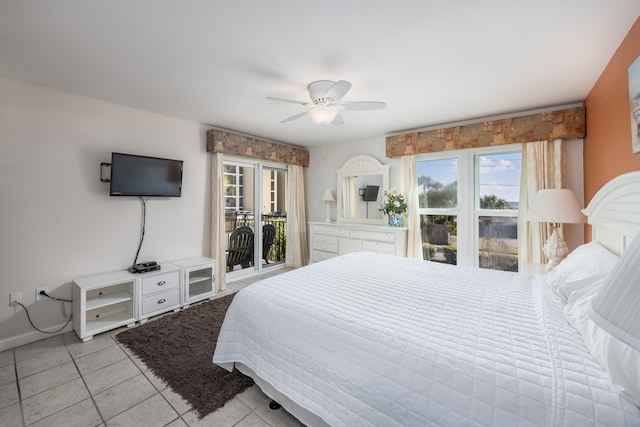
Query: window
[468, 204]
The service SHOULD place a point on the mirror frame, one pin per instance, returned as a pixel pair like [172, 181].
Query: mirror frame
[359, 166]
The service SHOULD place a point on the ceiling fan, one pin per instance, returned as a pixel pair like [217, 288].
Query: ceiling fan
[326, 106]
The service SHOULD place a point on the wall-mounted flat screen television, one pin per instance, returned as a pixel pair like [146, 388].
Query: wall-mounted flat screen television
[133, 175]
[371, 193]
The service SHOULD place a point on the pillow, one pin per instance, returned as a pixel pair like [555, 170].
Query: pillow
[587, 264]
[620, 360]
[616, 298]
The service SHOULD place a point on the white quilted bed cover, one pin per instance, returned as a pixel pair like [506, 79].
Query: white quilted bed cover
[377, 340]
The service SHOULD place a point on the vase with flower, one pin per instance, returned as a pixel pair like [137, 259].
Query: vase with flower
[394, 206]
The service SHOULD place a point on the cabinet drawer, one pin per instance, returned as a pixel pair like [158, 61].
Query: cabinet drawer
[370, 246]
[327, 230]
[328, 245]
[317, 256]
[378, 236]
[321, 238]
[161, 301]
[160, 282]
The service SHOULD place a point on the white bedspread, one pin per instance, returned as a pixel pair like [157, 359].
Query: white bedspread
[376, 340]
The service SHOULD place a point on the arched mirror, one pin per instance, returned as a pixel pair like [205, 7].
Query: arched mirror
[362, 182]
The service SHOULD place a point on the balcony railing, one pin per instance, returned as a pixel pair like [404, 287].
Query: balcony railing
[276, 252]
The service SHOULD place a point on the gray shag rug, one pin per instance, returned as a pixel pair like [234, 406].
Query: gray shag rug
[178, 349]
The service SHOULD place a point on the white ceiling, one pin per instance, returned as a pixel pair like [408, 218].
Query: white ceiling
[216, 62]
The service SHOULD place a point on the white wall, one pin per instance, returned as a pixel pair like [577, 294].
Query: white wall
[57, 221]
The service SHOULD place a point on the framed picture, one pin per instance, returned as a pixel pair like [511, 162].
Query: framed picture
[634, 103]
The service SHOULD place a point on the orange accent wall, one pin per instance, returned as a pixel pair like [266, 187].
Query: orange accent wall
[607, 145]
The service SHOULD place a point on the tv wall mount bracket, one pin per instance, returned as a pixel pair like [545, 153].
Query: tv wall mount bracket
[105, 177]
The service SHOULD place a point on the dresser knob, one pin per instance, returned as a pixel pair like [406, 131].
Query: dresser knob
[162, 282]
[162, 301]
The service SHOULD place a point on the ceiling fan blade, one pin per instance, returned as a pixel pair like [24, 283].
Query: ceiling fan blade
[297, 116]
[337, 120]
[292, 101]
[337, 91]
[363, 105]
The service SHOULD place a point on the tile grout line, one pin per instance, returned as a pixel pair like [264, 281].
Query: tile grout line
[15, 371]
[95, 405]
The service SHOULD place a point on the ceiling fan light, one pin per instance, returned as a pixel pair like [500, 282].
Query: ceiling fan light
[323, 115]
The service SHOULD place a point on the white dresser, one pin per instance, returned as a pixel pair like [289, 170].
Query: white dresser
[330, 239]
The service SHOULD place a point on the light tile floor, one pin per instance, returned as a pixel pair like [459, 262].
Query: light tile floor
[61, 381]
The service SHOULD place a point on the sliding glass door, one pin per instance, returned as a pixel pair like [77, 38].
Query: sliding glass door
[274, 216]
[255, 217]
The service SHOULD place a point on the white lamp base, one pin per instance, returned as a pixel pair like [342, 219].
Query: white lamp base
[328, 213]
[555, 249]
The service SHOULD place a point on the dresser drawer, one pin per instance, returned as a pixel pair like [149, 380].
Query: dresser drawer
[327, 230]
[317, 256]
[378, 236]
[160, 282]
[379, 247]
[322, 238]
[326, 246]
[162, 301]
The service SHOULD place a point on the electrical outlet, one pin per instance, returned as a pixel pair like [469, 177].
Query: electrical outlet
[15, 297]
[41, 297]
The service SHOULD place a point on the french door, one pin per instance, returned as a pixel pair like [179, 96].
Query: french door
[255, 216]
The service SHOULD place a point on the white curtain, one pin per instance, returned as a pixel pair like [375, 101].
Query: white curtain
[349, 197]
[217, 219]
[296, 248]
[543, 167]
[410, 190]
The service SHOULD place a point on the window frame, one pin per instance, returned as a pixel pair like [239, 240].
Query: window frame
[468, 210]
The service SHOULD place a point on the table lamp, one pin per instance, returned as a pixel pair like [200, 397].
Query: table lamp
[328, 197]
[556, 206]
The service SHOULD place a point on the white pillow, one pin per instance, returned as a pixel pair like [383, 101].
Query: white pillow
[587, 264]
[621, 361]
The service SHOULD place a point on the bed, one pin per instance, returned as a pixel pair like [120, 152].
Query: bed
[376, 340]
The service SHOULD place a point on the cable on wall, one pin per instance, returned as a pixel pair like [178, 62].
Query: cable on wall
[143, 202]
[40, 330]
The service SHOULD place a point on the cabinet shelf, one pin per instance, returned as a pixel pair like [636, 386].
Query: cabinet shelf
[196, 279]
[110, 299]
[111, 321]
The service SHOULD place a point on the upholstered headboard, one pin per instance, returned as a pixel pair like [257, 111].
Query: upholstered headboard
[614, 212]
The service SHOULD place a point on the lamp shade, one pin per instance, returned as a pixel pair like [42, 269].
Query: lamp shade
[556, 205]
[616, 306]
[323, 114]
[328, 196]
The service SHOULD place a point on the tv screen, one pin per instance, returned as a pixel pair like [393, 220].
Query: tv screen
[133, 175]
[371, 193]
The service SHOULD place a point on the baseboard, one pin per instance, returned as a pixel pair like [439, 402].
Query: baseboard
[29, 337]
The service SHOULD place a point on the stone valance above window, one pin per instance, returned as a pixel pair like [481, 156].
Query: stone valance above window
[219, 141]
[560, 124]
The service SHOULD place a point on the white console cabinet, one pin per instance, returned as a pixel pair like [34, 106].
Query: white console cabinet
[159, 291]
[330, 239]
[109, 301]
[199, 279]
[104, 302]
